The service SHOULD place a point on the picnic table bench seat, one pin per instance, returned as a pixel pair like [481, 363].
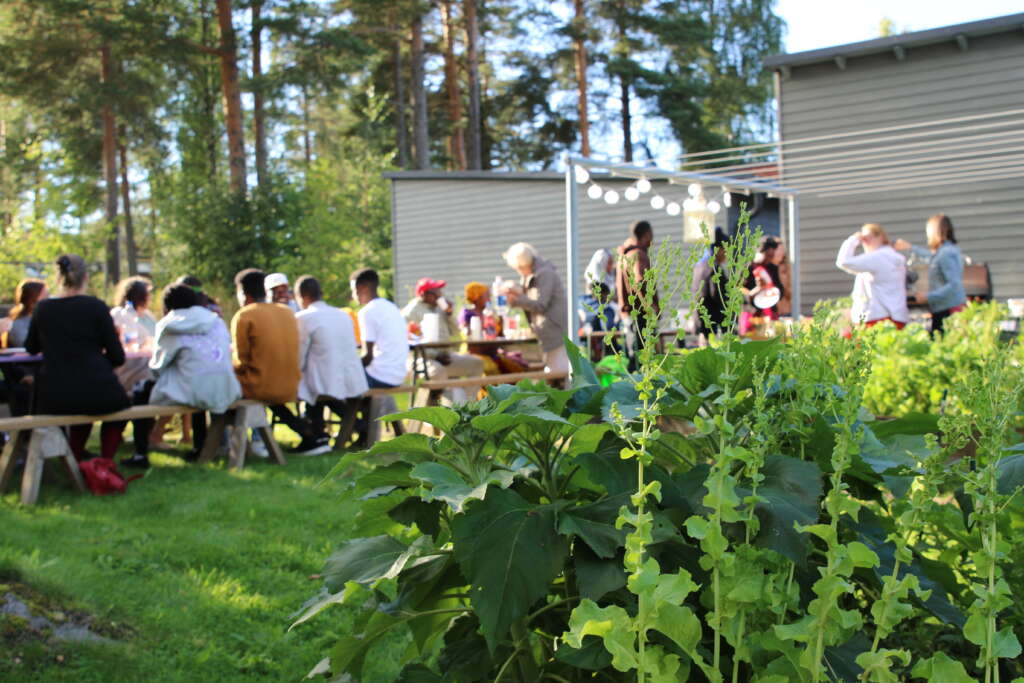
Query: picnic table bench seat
[37, 437]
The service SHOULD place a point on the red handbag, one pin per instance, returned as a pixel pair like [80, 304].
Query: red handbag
[102, 477]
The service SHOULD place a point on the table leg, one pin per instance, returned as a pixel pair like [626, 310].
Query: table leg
[238, 445]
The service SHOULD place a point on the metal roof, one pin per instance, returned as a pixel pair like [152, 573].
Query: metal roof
[473, 175]
[957, 32]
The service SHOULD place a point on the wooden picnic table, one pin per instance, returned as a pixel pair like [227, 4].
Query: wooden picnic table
[419, 350]
[134, 368]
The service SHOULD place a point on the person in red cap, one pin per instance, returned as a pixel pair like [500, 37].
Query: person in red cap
[433, 316]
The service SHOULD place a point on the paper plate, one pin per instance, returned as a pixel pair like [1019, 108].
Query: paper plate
[767, 298]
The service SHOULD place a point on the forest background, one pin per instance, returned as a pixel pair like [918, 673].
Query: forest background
[205, 136]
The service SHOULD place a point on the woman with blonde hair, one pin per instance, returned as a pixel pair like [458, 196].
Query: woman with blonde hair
[946, 293]
[880, 286]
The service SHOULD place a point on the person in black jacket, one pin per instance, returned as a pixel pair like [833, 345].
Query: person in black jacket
[80, 348]
[708, 294]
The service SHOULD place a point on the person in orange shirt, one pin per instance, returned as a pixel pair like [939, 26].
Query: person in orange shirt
[266, 356]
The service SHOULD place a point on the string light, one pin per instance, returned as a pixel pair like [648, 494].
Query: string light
[727, 198]
[643, 185]
[611, 197]
[595, 191]
[714, 207]
[582, 174]
[657, 202]
[694, 189]
[673, 209]
[632, 193]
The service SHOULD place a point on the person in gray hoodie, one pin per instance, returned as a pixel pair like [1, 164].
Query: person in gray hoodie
[946, 294]
[192, 365]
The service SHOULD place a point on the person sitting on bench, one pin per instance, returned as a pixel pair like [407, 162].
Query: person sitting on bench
[76, 335]
[192, 365]
[331, 368]
[386, 344]
[266, 355]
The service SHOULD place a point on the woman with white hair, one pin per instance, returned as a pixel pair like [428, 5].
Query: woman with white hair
[542, 297]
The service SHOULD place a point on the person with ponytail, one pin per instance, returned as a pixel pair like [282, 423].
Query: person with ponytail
[80, 347]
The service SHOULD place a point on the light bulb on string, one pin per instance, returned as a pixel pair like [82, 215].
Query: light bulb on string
[611, 197]
[595, 191]
[727, 198]
[582, 174]
[643, 185]
[631, 194]
[714, 207]
[691, 204]
[657, 202]
[694, 189]
[673, 209]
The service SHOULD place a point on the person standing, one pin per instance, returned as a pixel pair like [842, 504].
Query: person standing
[762, 276]
[385, 341]
[266, 356]
[708, 286]
[328, 356]
[80, 347]
[637, 295]
[599, 288]
[880, 287]
[946, 293]
[441, 364]
[541, 295]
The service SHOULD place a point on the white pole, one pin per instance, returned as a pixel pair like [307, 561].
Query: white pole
[794, 254]
[571, 246]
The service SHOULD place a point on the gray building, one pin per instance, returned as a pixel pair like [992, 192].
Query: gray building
[455, 226]
[963, 75]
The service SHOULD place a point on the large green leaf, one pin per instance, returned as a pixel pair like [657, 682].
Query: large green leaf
[911, 423]
[589, 392]
[510, 552]
[444, 419]
[1011, 474]
[597, 577]
[395, 475]
[605, 468]
[591, 657]
[791, 489]
[595, 524]
[363, 560]
[939, 667]
[417, 673]
[443, 483]
[624, 396]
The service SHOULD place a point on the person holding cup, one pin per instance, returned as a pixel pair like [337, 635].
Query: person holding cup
[433, 315]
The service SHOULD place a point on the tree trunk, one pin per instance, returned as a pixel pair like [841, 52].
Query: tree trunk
[232, 97]
[209, 102]
[401, 125]
[113, 264]
[474, 146]
[258, 116]
[627, 121]
[307, 142]
[421, 140]
[6, 215]
[456, 142]
[580, 50]
[130, 248]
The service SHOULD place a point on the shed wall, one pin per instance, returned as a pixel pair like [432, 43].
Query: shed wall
[934, 82]
[457, 229]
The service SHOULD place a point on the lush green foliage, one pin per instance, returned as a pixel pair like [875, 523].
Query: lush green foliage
[728, 512]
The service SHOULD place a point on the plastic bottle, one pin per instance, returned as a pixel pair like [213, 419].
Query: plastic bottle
[498, 296]
[476, 328]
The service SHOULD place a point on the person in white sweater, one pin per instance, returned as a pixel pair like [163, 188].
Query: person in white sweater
[880, 287]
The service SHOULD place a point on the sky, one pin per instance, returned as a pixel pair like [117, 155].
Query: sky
[814, 24]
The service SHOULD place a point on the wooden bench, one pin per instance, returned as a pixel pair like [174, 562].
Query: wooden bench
[437, 387]
[24, 437]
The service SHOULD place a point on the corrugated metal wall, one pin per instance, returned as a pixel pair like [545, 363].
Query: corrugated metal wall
[934, 82]
[456, 229]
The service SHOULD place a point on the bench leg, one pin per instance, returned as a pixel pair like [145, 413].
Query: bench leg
[33, 474]
[348, 421]
[214, 436]
[16, 444]
[272, 446]
[238, 445]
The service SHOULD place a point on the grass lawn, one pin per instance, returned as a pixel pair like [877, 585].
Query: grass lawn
[196, 569]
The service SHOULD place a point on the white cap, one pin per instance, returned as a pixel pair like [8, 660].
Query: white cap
[275, 280]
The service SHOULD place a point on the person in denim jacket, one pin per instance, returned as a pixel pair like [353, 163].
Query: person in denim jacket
[945, 270]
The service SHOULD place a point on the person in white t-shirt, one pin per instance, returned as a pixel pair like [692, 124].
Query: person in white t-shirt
[880, 288]
[383, 329]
